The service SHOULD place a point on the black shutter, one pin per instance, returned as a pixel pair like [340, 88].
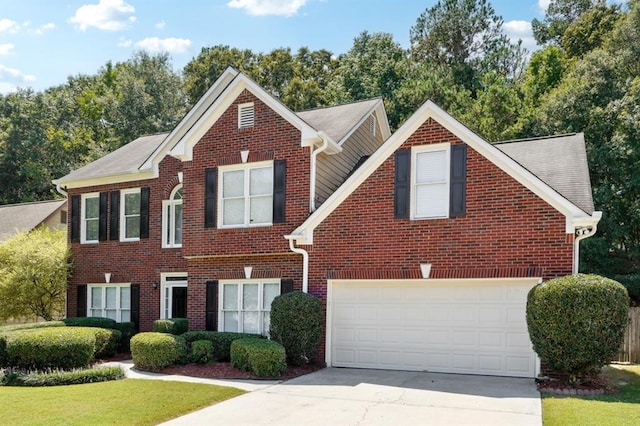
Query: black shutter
[211, 306]
[279, 178]
[458, 184]
[114, 216]
[402, 184]
[81, 301]
[75, 218]
[135, 306]
[286, 286]
[144, 212]
[210, 198]
[102, 217]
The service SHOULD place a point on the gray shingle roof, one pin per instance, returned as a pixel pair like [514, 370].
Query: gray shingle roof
[126, 159]
[338, 121]
[559, 161]
[25, 216]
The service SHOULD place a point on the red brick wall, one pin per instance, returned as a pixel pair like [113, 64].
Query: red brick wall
[505, 226]
[136, 262]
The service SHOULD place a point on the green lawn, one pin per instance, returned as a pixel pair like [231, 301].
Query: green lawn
[120, 402]
[620, 409]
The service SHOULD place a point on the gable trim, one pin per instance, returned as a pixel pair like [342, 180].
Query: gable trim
[304, 233]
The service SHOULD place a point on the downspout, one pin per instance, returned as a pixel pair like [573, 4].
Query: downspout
[305, 263]
[581, 233]
[314, 155]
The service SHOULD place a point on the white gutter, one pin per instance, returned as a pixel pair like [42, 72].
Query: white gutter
[60, 190]
[312, 177]
[305, 262]
[583, 231]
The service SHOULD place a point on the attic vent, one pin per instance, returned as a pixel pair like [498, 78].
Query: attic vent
[245, 115]
[372, 125]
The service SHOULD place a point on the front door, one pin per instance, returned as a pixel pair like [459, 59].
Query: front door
[179, 302]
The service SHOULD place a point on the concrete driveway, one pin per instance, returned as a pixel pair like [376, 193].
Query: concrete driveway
[345, 396]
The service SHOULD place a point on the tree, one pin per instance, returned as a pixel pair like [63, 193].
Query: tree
[590, 30]
[559, 15]
[34, 268]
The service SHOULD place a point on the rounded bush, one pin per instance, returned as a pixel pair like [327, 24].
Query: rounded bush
[264, 358]
[107, 341]
[155, 351]
[202, 351]
[98, 322]
[172, 326]
[296, 323]
[54, 347]
[576, 323]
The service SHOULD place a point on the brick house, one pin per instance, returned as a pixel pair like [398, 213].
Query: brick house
[422, 245]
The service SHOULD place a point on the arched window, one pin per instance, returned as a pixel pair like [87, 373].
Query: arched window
[172, 219]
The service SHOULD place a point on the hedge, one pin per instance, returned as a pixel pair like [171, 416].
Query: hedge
[107, 341]
[201, 352]
[264, 358]
[127, 330]
[155, 351]
[576, 323]
[175, 326]
[61, 378]
[221, 341]
[98, 322]
[31, 325]
[57, 347]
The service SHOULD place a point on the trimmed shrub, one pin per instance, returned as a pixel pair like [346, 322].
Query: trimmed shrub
[264, 358]
[296, 323]
[202, 352]
[61, 378]
[98, 322]
[172, 326]
[127, 330]
[155, 351]
[57, 347]
[31, 325]
[576, 323]
[107, 341]
[221, 341]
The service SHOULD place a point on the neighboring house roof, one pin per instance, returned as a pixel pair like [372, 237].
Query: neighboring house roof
[559, 161]
[338, 122]
[15, 218]
[575, 214]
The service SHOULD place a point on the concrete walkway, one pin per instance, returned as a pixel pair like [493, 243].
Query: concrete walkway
[346, 396]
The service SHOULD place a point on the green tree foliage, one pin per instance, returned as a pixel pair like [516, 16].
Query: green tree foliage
[559, 15]
[34, 267]
[590, 30]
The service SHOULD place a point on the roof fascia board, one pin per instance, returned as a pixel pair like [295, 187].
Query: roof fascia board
[304, 233]
[184, 147]
[107, 180]
[378, 111]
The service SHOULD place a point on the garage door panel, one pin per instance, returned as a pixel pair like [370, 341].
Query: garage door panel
[473, 329]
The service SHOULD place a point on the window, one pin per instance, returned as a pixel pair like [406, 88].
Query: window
[110, 301]
[245, 115]
[172, 219]
[130, 215]
[246, 195]
[430, 181]
[246, 305]
[90, 218]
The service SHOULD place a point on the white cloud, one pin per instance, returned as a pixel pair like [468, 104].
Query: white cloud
[7, 87]
[11, 78]
[49, 26]
[108, 15]
[543, 5]
[6, 48]
[268, 7]
[7, 25]
[10, 72]
[125, 43]
[160, 24]
[29, 78]
[521, 30]
[171, 45]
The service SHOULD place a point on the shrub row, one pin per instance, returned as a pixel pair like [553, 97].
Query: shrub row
[98, 322]
[175, 326]
[221, 341]
[59, 378]
[264, 358]
[31, 325]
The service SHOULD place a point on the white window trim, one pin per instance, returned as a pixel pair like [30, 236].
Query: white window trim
[83, 225]
[241, 123]
[166, 225]
[165, 284]
[123, 222]
[414, 155]
[262, 282]
[103, 286]
[247, 211]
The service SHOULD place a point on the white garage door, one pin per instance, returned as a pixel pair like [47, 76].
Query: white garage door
[451, 326]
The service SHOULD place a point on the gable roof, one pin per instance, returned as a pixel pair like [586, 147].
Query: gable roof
[15, 218]
[340, 121]
[567, 173]
[572, 212]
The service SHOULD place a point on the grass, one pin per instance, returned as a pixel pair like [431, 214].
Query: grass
[128, 401]
[620, 409]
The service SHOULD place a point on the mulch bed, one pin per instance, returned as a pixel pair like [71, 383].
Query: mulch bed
[597, 385]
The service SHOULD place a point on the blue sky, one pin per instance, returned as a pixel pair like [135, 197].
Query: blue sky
[44, 41]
